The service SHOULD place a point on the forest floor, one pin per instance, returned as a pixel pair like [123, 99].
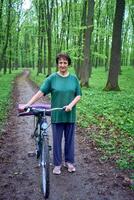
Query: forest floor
[19, 173]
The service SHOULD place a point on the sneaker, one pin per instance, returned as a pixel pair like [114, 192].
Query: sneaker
[70, 167]
[57, 170]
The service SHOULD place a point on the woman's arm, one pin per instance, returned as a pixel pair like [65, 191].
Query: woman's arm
[35, 98]
[73, 103]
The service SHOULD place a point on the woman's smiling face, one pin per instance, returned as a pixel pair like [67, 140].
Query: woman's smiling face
[63, 66]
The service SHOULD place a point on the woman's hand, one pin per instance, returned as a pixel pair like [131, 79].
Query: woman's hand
[68, 108]
[73, 103]
[22, 107]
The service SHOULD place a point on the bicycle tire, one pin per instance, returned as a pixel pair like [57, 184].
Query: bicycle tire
[45, 182]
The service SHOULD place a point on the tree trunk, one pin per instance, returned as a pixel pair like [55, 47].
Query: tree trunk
[83, 21]
[68, 19]
[132, 46]
[39, 39]
[112, 82]
[1, 6]
[18, 29]
[10, 54]
[107, 53]
[3, 55]
[96, 63]
[86, 65]
[49, 6]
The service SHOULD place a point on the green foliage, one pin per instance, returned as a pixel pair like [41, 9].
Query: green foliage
[6, 85]
[27, 28]
[96, 54]
[37, 79]
[112, 114]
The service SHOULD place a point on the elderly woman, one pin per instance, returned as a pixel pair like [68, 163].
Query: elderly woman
[65, 91]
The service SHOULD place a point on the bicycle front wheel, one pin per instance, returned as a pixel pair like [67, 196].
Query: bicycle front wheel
[45, 168]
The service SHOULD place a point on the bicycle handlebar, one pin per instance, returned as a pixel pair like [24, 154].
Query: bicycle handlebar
[43, 109]
[37, 111]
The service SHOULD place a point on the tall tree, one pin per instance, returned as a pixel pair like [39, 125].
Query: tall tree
[132, 45]
[18, 29]
[49, 12]
[80, 39]
[115, 61]
[3, 54]
[85, 71]
[1, 7]
[97, 34]
[40, 37]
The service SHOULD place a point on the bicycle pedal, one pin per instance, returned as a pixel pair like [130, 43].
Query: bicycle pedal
[37, 154]
[31, 154]
[50, 148]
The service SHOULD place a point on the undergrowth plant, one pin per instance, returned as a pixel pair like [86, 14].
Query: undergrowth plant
[6, 86]
[113, 114]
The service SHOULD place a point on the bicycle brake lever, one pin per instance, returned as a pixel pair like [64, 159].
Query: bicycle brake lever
[64, 108]
[27, 109]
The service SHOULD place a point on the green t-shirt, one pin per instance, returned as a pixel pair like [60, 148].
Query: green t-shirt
[63, 90]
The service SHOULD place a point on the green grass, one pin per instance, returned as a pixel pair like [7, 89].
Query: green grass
[37, 79]
[109, 116]
[6, 85]
[113, 115]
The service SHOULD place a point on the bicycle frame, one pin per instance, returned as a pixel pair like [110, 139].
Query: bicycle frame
[42, 139]
[42, 149]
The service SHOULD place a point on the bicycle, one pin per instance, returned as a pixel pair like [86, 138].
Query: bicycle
[41, 140]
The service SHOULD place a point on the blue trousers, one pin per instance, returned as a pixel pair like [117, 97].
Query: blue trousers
[68, 129]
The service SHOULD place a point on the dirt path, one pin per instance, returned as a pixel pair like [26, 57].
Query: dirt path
[19, 173]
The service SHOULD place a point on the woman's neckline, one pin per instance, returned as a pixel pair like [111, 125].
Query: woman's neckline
[67, 74]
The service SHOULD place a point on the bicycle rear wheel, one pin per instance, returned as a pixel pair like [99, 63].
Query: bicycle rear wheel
[45, 168]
